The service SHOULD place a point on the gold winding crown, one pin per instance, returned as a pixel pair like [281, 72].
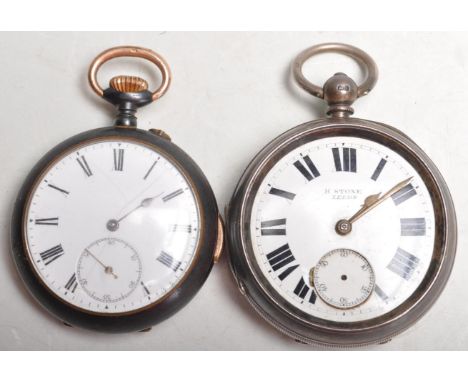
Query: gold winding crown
[128, 84]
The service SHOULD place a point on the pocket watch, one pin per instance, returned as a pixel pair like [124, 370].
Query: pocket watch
[342, 231]
[116, 228]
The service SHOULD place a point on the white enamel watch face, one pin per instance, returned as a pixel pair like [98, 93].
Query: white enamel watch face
[361, 274]
[112, 226]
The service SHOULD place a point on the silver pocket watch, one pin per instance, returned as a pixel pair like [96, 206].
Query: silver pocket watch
[341, 230]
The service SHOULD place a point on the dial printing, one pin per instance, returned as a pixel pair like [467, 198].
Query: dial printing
[343, 193]
[112, 226]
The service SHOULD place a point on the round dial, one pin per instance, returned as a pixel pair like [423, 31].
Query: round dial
[112, 226]
[343, 278]
[109, 270]
[342, 192]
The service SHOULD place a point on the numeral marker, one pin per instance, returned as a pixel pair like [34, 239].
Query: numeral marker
[145, 288]
[181, 228]
[380, 293]
[266, 231]
[172, 195]
[310, 172]
[71, 284]
[404, 194]
[280, 257]
[150, 169]
[403, 264]
[52, 254]
[349, 159]
[168, 261]
[282, 193]
[302, 289]
[84, 165]
[47, 221]
[413, 226]
[58, 189]
[378, 169]
[118, 159]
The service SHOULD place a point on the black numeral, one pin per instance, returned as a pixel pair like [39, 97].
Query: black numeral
[52, 254]
[47, 221]
[404, 194]
[181, 228]
[58, 189]
[310, 172]
[348, 163]
[378, 169]
[282, 193]
[413, 226]
[118, 159]
[145, 288]
[168, 261]
[84, 165]
[172, 195]
[403, 264]
[71, 284]
[150, 169]
[268, 231]
[281, 257]
[302, 289]
[380, 293]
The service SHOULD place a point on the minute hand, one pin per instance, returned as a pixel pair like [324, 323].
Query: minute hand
[373, 201]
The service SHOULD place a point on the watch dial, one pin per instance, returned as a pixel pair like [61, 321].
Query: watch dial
[337, 272]
[112, 226]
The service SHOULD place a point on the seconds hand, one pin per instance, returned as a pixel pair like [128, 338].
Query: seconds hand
[107, 269]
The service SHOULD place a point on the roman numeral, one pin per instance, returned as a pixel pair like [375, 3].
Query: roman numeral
[118, 159]
[281, 257]
[58, 189]
[181, 228]
[84, 165]
[403, 264]
[349, 159]
[413, 226]
[52, 254]
[378, 169]
[404, 194]
[267, 231]
[71, 284]
[145, 288]
[47, 221]
[150, 169]
[302, 289]
[310, 172]
[282, 193]
[168, 261]
[172, 195]
[380, 293]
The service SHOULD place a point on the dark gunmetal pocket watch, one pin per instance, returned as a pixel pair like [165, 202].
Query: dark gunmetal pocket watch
[342, 231]
[116, 228]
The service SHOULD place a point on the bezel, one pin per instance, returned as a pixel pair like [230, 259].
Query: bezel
[167, 305]
[296, 323]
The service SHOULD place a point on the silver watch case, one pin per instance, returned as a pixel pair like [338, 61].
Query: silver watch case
[290, 320]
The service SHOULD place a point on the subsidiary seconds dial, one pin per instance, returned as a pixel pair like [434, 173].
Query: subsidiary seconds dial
[343, 278]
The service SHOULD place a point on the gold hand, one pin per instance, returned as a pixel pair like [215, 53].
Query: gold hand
[344, 226]
[107, 269]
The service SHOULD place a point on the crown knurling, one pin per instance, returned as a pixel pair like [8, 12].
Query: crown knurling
[128, 84]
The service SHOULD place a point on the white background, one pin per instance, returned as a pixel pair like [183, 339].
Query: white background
[231, 94]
